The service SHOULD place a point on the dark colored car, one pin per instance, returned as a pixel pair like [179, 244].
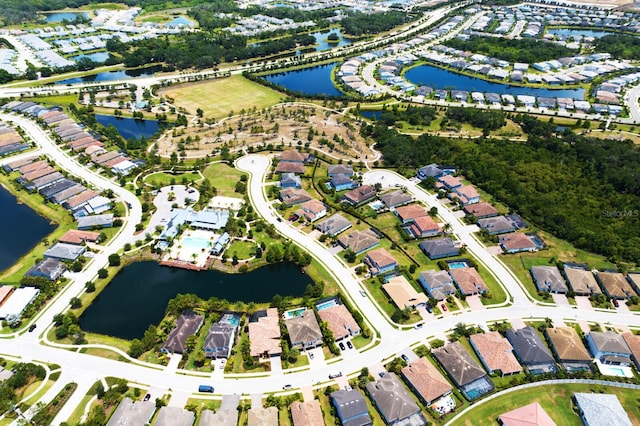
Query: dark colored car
[32, 327]
[341, 346]
[147, 397]
[349, 345]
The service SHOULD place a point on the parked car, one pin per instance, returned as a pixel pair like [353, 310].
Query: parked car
[341, 346]
[419, 325]
[205, 388]
[349, 345]
[335, 375]
[286, 387]
[616, 303]
[32, 327]
[311, 355]
[363, 294]
[147, 397]
[444, 306]
[404, 357]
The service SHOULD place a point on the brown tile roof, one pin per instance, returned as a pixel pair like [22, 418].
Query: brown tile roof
[411, 212]
[425, 378]
[340, 321]
[291, 196]
[480, 210]
[81, 198]
[425, 224]
[359, 241]
[496, 352]
[264, 335]
[616, 284]
[633, 342]
[103, 158]
[114, 161]
[402, 293]
[10, 139]
[380, 257]
[567, 344]
[529, 415]
[451, 181]
[581, 281]
[30, 167]
[517, 241]
[468, 191]
[457, 362]
[468, 280]
[313, 206]
[263, 416]
[304, 328]
[360, 194]
[307, 413]
[293, 155]
[74, 236]
[287, 167]
[35, 174]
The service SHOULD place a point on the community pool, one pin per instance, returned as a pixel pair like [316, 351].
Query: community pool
[294, 313]
[195, 243]
[325, 305]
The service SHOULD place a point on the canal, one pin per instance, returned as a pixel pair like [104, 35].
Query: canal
[137, 296]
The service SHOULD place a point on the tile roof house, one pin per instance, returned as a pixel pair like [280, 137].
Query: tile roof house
[174, 416]
[226, 417]
[360, 195]
[339, 169]
[293, 196]
[633, 343]
[495, 353]
[74, 236]
[481, 210]
[425, 379]
[468, 280]
[290, 180]
[343, 182]
[530, 415]
[97, 221]
[450, 181]
[393, 401]
[403, 294]
[63, 251]
[333, 225]
[410, 213]
[496, 225]
[634, 280]
[465, 194]
[431, 170]
[219, 340]
[463, 369]
[261, 416]
[293, 156]
[306, 413]
[264, 333]
[582, 281]
[568, 348]
[304, 331]
[531, 351]
[517, 242]
[340, 321]
[598, 409]
[187, 324]
[48, 268]
[422, 227]
[351, 407]
[548, 278]
[615, 285]
[609, 348]
[359, 241]
[395, 199]
[288, 167]
[380, 261]
[312, 210]
[439, 248]
[437, 284]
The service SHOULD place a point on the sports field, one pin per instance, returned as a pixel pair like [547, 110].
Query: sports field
[220, 96]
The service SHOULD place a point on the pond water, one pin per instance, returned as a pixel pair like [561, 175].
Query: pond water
[438, 78]
[130, 128]
[309, 81]
[137, 297]
[99, 57]
[322, 43]
[113, 75]
[21, 229]
[61, 16]
[563, 33]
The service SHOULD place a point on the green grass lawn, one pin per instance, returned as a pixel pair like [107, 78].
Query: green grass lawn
[242, 249]
[164, 179]
[223, 178]
[220, 97]
[555, 399]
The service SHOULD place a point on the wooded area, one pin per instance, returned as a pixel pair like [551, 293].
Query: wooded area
[621, 46]
[512, 50]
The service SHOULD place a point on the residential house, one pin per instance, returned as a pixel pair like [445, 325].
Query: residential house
[14, 306]
[426, 381]
[187, 324]
[304, 331]
[290, 180]
[294, 156]
[174, 416]
[439, 248]
[416, 222]
[360, 195]
[481, 210]
[517, 242]
[633, 343]
[581, 280]
[351, 407]
[468, 280]
[290, 167]
[292, 196]
[496, 225]
[264, 333]
[450, 182]
[74, 236]
[465, 372]
[409, 213]
[531, 351]
[261, 416]
[609, 348]
[95, 222]
[548, 278]
[132, 413]
[48, 268]
[222, 417]
[615, 285]
[333, 225]
[530, 415]
[63, 251]
[339, 169]
[403, 294]
[359, 241]
[597, 409]
[306, 413]
[5, 292]
[495, 353]
[437, 284]
[465, 194]
[634, 280]
[312, 210]
[568, 348]
[431, 170]
[393, 401]
[343, 182]
[340, 321]
[380, 261]
[395, 199]
[219, 340]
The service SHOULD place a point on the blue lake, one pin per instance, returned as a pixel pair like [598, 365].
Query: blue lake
[95, 57]
[438, 78]
[323, 44]
[129, 128]
[113, 75]
[137, 296]
[21, 229]
[61, 16]
[309, 81]
[563, 33]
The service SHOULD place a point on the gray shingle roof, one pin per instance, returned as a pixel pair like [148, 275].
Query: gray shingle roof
[529, 347]
[391, 398]
[460, 366]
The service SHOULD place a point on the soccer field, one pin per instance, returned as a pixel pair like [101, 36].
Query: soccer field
[218, 97]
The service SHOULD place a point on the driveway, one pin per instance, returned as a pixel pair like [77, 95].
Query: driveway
[475, 302]
[560, 299]
[276, 365]
[583, 303]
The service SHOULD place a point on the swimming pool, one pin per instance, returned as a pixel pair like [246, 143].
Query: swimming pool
[231, 319]
[376, 205]
[458, 265]
[325, 305]
[294, 313]
[195, 243]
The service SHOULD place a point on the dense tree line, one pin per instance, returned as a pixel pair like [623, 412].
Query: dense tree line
[512, 50]
[359, 24]
[23, 374]
[486, 120]
[584, 190]
[621, 46]
[415, 116]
